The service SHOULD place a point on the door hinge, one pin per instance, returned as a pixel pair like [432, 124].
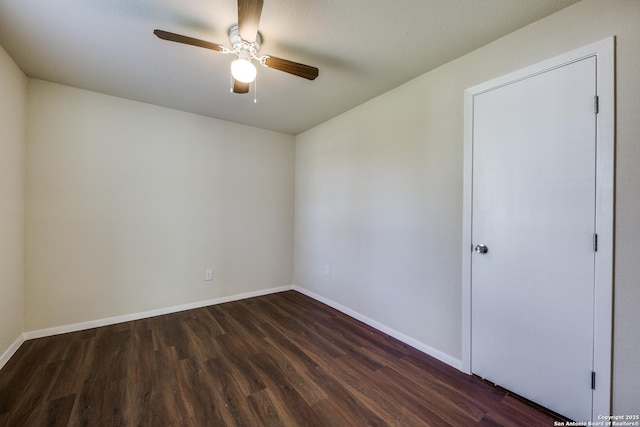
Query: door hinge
[593, 380]
[596, 104]
[595, 242]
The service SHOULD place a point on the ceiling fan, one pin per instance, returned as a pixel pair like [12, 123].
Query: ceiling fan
[245, 41]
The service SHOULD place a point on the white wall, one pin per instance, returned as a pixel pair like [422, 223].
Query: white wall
[128, 204]
[13, 87]
[379, 191]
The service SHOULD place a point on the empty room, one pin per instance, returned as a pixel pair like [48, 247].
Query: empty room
[291, 212]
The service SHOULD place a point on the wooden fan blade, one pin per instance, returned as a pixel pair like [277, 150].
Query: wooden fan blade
[295, 68]
[249, 12]
[239, 87]
[165, 35]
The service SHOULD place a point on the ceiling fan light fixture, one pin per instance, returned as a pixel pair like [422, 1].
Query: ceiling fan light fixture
[243, 70]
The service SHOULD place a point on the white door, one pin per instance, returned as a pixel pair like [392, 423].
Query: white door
[533, 191]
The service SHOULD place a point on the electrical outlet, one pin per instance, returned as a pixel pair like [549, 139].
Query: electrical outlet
[327, 270]
[208, 275]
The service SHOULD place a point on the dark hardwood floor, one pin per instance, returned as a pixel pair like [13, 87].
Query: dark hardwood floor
[278, 360]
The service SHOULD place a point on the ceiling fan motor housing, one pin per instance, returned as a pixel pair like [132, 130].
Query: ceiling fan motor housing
[239, 45]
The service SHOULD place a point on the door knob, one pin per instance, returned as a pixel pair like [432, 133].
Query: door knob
[481, 249]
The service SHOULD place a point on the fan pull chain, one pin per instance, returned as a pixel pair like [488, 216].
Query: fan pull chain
[255, 91]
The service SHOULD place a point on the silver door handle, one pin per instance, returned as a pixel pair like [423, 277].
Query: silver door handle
[481, 249]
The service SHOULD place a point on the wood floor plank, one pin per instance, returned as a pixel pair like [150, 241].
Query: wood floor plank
[206, 404]
[34, 396]
[59, 411]
[326, 410]
[278, 360]
[290, 350]
[438, 405]
[315, 344]
[350, 408]
[235, 359]
[423, 380]
[234, 406]
[379, 394]
[79, 354]
[266, 410]
[297, 376]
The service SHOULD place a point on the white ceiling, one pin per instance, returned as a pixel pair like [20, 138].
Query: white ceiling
[362, 47]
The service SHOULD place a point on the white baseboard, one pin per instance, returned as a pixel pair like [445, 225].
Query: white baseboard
[4, 358]
[146, 314]
[443, 357]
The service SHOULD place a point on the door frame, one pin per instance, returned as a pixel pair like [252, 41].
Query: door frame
[605, 176]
